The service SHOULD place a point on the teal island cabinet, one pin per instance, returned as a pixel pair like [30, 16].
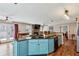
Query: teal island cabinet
[51, 45]
[38, 47]
[43, 44]
[20, 48]
[33, 47]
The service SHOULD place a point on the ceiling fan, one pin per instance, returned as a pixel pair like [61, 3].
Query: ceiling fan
[6, 19]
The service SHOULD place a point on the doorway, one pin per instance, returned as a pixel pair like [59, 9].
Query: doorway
[65, 31]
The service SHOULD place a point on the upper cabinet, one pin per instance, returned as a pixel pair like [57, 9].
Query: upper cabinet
[29, 29]
[22, 28]
[6, 31]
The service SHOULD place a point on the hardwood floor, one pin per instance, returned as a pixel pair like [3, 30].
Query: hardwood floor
[67, 49]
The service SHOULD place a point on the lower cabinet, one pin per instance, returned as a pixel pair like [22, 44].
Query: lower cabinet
[51, 45]
[23, 48]
[43, 46]
[33, 47]
[20, 48]
[15, 48]
[59, 40]
[38, 47]
[77, 44]
[56, 44]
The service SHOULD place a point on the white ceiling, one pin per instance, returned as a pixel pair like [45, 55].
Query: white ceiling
[39, 13]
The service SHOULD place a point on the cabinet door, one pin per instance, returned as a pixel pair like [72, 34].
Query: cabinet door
[78, 39]
[77, 43]
[59, 41]
[43, 46]
[15, 48]
[22, 48]
[33, 47]
[51, 45]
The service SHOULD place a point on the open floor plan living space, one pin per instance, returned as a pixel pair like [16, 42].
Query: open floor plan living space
[39, 29]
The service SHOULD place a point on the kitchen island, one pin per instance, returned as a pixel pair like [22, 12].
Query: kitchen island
[33, 47]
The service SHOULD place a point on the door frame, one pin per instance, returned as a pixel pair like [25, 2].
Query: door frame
[62, 27]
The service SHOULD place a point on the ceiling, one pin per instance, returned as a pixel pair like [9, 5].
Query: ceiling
[39, 13]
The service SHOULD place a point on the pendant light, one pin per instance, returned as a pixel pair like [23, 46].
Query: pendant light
[66, 14]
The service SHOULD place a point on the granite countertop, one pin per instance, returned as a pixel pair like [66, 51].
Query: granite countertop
[34, 39]
[51, 37]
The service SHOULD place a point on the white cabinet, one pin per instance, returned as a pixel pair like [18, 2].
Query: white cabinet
[21, 28]
[6, 31]
[25, 28]
[29, 29]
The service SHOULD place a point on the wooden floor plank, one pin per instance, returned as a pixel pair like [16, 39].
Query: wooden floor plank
[67, 49]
